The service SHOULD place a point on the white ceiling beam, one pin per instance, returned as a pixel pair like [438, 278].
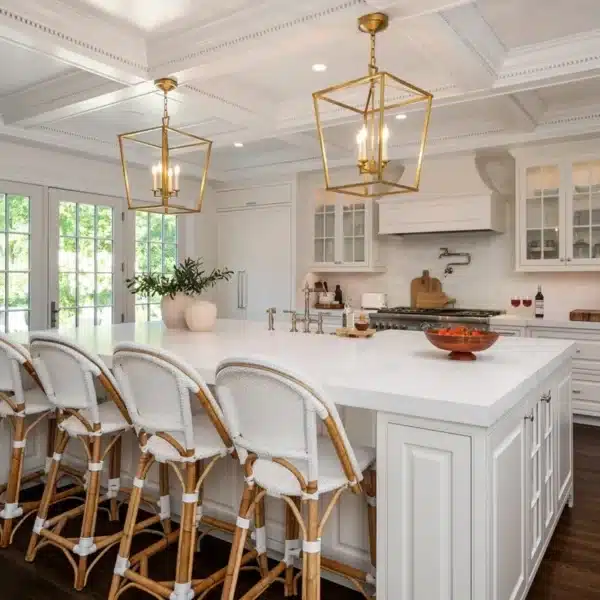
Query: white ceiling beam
[64, 96]
[441, 43]
[91, 44]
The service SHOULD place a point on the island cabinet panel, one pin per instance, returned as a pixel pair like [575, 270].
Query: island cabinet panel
[508, 451]
[424, 519]
[564, 438]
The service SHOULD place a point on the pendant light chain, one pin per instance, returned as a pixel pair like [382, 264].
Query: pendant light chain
[165, 111]
[372, 65]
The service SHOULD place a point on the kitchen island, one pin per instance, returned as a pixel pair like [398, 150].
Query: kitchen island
[474, 459]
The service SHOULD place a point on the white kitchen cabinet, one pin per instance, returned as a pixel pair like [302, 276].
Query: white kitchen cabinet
[564, 438]
[256, 244]
[428, 487]
[344, 237]
[558, 215]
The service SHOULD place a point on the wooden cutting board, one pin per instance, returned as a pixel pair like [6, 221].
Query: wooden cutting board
[581, 314]
[425, 283]
[354, 333]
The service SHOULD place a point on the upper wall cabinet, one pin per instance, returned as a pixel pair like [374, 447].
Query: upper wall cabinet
[558, 216]
[344, 237]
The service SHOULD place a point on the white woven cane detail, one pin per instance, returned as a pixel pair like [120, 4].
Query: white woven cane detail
[121, 565]
[11, 510]
[260, 537]
[189, 498]
[19, 443]
[139, 483]
[57, 457]
[313, 547]
[47, 464]
[372, 501]
[242, 523]
[39, 525]
[95, 466]
[164, 503]
[85, 547]
[307, 496]
[114, 485]
[249, 481]
[292, 551]
[182, 591]
[199, 513]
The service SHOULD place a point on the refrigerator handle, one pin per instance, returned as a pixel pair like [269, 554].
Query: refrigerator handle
[245, 290]
[239, 289]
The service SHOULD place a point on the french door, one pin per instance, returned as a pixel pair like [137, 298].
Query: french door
[86, 263]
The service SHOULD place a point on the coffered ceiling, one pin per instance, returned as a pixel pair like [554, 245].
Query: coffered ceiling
[75, 73]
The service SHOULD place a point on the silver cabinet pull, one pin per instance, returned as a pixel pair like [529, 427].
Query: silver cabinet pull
[245, 290]
[546, 397]
[530, 417]
[239, 289]
[576, 391]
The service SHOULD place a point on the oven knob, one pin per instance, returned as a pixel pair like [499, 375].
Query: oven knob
[425, 326]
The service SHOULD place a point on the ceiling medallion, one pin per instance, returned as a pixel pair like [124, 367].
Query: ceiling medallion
[171, 191]
[372, 102]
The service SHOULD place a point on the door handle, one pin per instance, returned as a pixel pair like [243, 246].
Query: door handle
[53, 314]
[239, 289]
[245, 290]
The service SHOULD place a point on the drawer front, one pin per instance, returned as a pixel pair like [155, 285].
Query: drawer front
[586, 390]
[587, 354]
[508, 331]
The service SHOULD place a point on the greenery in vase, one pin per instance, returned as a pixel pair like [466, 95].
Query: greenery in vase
[189, 278]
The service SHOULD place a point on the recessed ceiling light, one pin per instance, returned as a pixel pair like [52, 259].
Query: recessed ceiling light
[319, 67]
[401, 117]
[238, 144]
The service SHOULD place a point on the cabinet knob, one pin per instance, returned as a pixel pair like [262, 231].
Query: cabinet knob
[530, 417]
[576, 391]
[546, 397]
[562, 260]
[568, 260]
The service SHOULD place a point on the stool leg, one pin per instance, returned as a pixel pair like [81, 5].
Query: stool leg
[292, 534]
[114, 473]
[59, 447]
[132, 511]
[201, 465]
[165, 498]
[371, 492]
[14, 479]
[237, 546]
[261, 536]
[50, 440]
[90, 511]
[311, 580]
[187, 534]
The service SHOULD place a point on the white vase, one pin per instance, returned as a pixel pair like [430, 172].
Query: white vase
[173, 310]
[201, 315]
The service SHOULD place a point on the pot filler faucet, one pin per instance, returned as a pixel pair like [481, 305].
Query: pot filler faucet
[444, 253]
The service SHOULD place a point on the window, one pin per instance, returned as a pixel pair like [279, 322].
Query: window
[15, 264]
[85, 264]
[155, 252]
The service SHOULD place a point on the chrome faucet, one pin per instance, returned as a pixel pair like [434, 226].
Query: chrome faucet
[271, 318]
[445, 253]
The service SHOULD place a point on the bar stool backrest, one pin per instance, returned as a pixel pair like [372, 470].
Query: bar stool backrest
[273, 412]
[157, 387]
[13, 358]
[68, 372]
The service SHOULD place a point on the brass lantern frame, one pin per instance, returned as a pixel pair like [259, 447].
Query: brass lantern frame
[374, 107]
[165, 205]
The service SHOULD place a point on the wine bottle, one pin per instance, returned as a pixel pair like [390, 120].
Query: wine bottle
[539, 304]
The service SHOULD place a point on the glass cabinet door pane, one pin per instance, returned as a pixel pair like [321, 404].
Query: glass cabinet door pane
[324, 239]
[542, 212]
[586, 210]
[354, 232]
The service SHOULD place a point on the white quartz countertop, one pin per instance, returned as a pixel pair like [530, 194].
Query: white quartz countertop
[394, 371]
[554, 321]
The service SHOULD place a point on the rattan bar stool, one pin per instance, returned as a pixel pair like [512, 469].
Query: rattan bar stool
[22, 396]
[273, 415]
[69, 375]
[161, 393]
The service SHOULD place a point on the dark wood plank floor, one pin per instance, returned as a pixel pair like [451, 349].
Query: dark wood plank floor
[570, 569]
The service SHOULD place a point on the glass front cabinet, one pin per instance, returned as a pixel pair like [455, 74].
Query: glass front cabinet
[344, 235]
[558, 216]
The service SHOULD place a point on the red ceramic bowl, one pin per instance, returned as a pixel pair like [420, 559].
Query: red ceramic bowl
[462, 347]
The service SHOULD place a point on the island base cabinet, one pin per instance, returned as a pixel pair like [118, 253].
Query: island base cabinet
[424, 513]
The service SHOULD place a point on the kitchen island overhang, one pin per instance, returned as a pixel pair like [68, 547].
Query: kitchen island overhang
[474, 459]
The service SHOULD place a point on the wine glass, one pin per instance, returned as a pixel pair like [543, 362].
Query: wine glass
[527, 302]
[515, 301]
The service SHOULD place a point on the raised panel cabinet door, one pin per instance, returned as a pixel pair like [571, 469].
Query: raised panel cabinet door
[424, 534]
[508, 513]
[549, 493]
[564, 439]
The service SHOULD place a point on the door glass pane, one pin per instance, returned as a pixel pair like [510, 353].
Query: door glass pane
[586, 210]
[85, 264]
[354, 232]
[155, 252]
[15, 262]
[542, 213]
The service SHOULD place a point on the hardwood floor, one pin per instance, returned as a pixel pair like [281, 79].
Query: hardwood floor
[570, 570]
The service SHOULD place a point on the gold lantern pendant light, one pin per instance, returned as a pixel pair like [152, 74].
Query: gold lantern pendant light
[167, 195]
[375, 101]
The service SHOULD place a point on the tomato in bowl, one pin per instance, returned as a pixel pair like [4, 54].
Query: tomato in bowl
[460, 341]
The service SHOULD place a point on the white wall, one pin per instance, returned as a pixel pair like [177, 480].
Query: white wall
[489, 281]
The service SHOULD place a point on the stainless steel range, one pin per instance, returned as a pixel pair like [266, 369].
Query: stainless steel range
[402, 317]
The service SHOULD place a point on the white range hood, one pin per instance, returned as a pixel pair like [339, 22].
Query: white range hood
[430, 213]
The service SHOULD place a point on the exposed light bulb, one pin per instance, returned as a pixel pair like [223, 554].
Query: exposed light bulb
[361, 141]
[401, 117]
[176, 171]
[319, 67]
[385, 136]
[238, 144]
